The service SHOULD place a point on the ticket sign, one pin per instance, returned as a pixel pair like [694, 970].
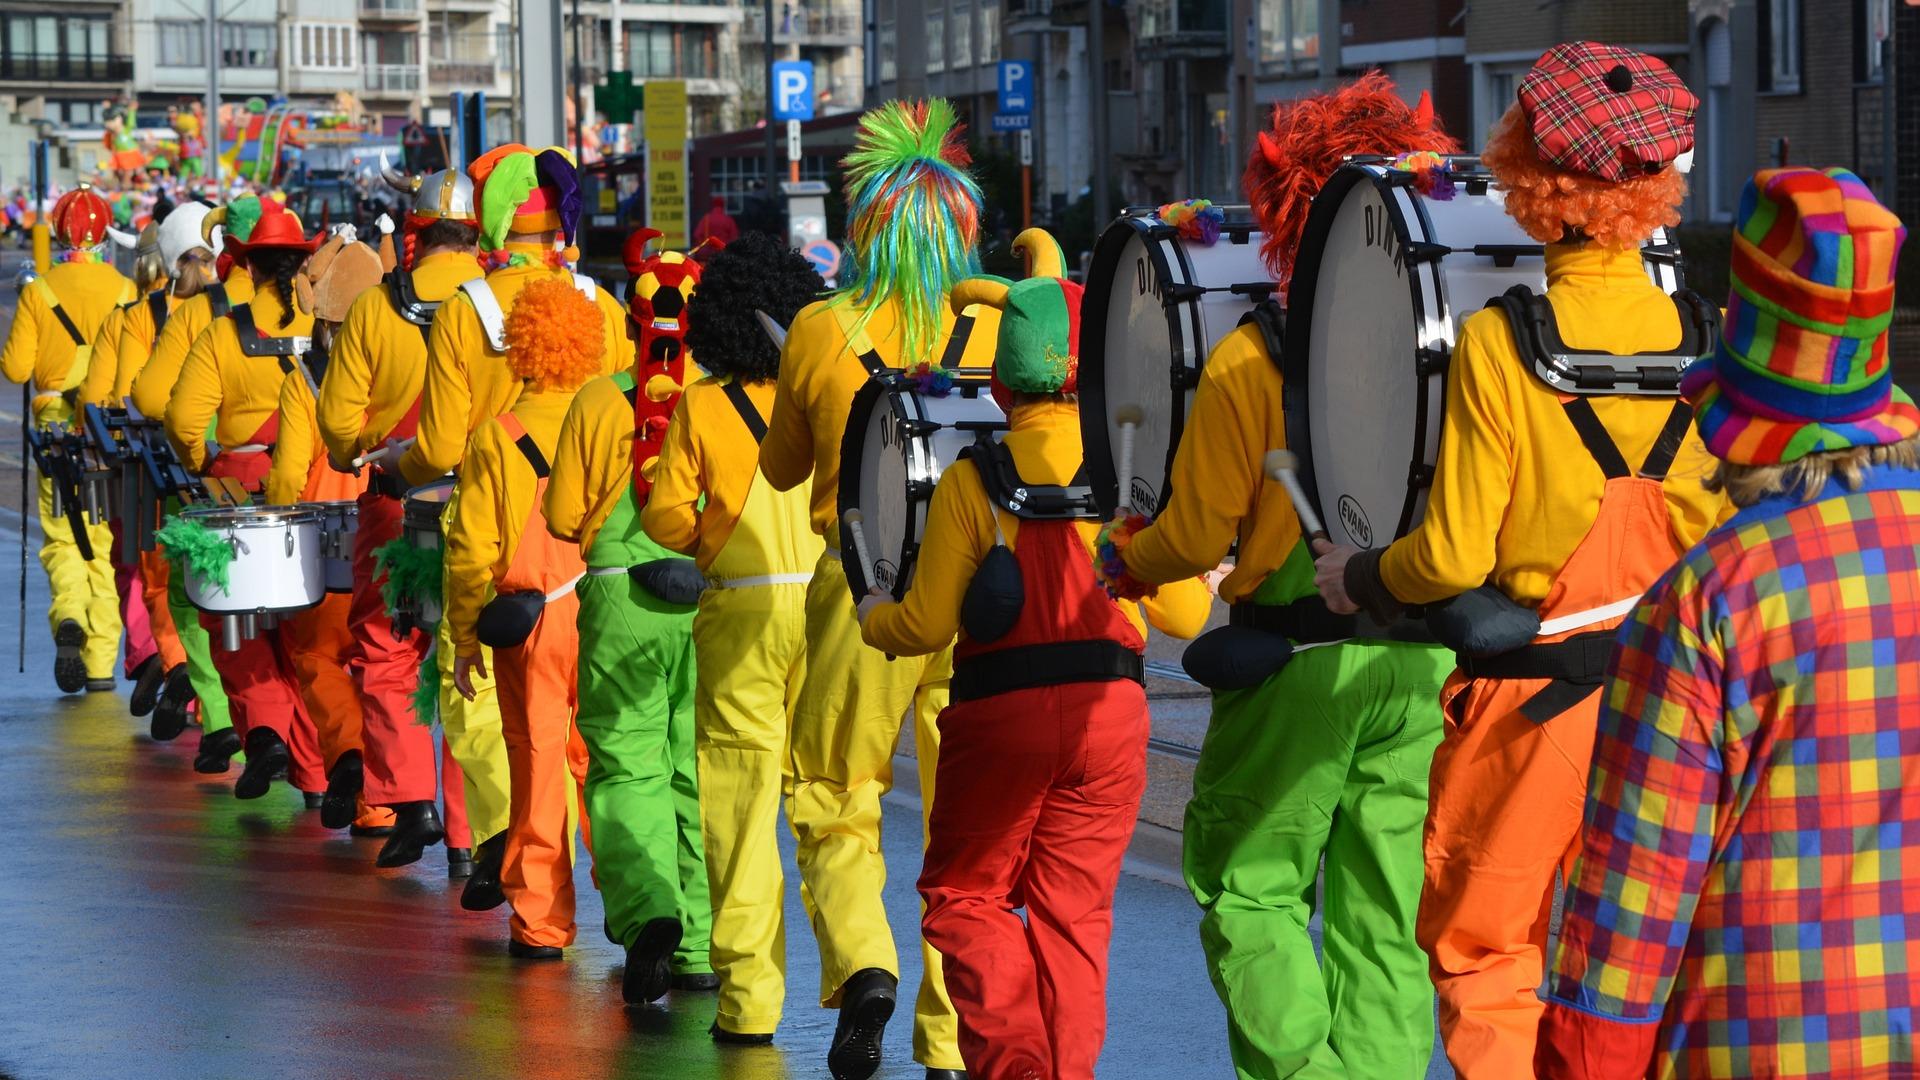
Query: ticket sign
[666, 131]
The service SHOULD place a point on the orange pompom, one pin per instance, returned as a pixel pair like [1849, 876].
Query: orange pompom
[1549, 203]
[555, 336]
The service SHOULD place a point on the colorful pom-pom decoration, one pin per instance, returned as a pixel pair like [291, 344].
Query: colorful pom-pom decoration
[1112, 571]
[1197, 220]
[80, 255]
[931, 380]
[1432, 173]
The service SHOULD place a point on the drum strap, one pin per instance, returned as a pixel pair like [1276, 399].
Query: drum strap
[523, 439]
[1056, 663]
[59, 313]
[749, 415]
[1271, 319]
[217, 303]
[407, 303]
[1030, 502]
[1606, 453]
[255, 343]
[870, 357]
[957, 341]
[1536, 335]
[157, 307]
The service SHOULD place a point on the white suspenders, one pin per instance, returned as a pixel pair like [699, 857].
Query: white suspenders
[494, 320]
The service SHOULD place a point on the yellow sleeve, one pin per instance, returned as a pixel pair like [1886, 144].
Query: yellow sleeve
[293, 449]
[960, 532]
[446, 399]
[22, 350]
[567, 498]
[134, 349]
[154, 385]
[1453, 548]
[1214, 485]
[195, 400]
[346, 389]
[786, 454]
[672, 516]
[474, 541]
[1180, 608]
[96, 388]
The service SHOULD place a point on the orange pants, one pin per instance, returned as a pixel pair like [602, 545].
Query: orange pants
[320, 646]
[154, 578]
[1504, 814]
[546, 769]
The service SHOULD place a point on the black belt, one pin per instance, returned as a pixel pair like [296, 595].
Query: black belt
[1308, 621]
[1028, 667]
[1576, 668]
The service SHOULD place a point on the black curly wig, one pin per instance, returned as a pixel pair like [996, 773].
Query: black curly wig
[756, 271]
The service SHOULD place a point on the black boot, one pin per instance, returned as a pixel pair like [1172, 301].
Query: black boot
[312, 799]
[216, 750]
[650, 962]
[946, 1074]
[735, 1038]
[341, 803]
[170, 711]
[699, 982]
[483, 885]
[102, 686]
[459, 863]
[147, 680]
[266, 754]
[69, 670]
[521, 950]
[416, 827]
[866, 1004]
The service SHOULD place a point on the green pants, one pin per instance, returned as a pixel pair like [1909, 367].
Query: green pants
[1325, 761]
[199, 649]
[636, 715]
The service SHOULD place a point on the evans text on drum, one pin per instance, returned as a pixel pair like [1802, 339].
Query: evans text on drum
[897, 443]
[1383, 280]
[1155, 305]
[276, 565]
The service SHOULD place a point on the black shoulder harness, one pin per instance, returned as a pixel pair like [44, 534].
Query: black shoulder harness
[255, 343]
[157, 306]
[217, 303]
[1030, 502]
[407, 303]
[1537, 335]
[1271, 319]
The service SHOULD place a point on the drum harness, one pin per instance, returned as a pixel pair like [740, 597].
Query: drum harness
[56, 450]
[293, 352]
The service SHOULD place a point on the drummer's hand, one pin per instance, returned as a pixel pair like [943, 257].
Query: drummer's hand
[464, 669]
[1215, 576]
[873, 599]
[339, 466]
[1330, 575]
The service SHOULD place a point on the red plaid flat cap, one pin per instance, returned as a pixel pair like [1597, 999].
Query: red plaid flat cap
[1607, 112]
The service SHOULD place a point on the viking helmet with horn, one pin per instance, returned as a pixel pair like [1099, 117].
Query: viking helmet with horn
[446, 195]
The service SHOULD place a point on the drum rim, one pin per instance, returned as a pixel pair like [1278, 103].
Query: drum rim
[254, 516]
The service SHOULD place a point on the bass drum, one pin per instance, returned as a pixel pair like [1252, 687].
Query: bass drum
[1155, 305]
[898, 441]
[1383, 279]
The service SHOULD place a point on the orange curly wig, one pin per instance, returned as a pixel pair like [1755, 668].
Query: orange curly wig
[1307, 139]
[1549, 203]
[555, 336]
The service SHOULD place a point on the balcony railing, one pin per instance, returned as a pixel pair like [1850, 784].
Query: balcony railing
[403, 10]
[805, 27]
[59, 67]
[393, 78]
[459, 74]
[1180, 29]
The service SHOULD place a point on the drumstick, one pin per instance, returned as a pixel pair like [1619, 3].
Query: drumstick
[1283, 466]
[853, 519]
[1129, 418]
[372, 456]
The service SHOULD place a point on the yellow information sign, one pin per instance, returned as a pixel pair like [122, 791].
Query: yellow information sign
[666, 132]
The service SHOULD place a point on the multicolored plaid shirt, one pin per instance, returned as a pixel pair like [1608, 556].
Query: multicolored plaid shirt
[1748, 898]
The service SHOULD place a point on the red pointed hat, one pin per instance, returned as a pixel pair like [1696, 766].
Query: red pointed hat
[278, 227]
[80, 218]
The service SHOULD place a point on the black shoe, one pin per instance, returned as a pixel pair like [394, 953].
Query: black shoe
[266, 754]
[520, 950]
[69, 671]
[170, 711]
[369, 830]
[102, 686]
[735, 1038]
[459, 863]
[312, 799]
[342, 801]
[216, 750]
[699, 982]
[483, 891]
[650, 962]
[147, 680]
[416, 827]
[866, 1004]
[946, 1074]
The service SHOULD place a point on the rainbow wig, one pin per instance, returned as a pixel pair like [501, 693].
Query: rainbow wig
[555, 336]
[1556, 206]
[1307, 140]
[913, 218]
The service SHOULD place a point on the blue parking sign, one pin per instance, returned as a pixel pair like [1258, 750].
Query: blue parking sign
[793, 90]
[1016, 87]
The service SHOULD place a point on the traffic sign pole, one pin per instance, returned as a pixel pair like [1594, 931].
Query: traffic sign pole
[793, 150]
[1026, 178]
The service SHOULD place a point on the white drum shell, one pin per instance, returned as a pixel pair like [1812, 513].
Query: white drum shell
[277, 564]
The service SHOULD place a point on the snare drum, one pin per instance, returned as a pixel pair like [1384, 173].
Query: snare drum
[339, 521]
[1156, 304]
[898, 441]
[420, 523]
[1383, 279]
[276, 564]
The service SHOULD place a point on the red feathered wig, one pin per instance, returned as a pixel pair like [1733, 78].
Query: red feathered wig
[1306, 141]
[1552, 205]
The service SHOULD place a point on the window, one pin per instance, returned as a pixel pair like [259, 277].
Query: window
[182, 44]
[989, 33]
[1713, 153]
[937, 42]
[889, 44]
[1290, 35]
[322, 46]
[1873, 17]
[1780, 46]
[76, 113]
[248, 45]
[960, 42]
[663, 51]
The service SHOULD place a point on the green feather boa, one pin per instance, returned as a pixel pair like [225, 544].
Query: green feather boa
[426, 696]
[195, 549]
[411, 572]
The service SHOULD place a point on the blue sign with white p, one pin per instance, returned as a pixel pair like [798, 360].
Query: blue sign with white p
[1016, 87]
[793, 90]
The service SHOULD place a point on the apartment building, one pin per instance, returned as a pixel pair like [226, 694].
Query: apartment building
[60, 62]
[1505, 37]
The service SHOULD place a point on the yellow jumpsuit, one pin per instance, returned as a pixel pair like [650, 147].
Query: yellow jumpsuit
[466, 384]
[848, 717]
[39, 348]
[754, 543]
[158, 366]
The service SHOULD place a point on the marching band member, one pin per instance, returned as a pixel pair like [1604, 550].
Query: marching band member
[756, 547]
[59, 316]
[370, 398]
[1043, 751]
[229, 388]
[912, 224]
[529, 205]
[1570, 505]
[1324, 759]
[318, 640]
[498, 543]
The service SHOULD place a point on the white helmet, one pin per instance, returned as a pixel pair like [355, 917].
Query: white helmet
[181, 233]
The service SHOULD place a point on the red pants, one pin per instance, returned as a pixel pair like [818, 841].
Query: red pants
[399, 750]
[133, 608]
[546, 767]
[262, 691]
[1036, 795]
[453, 796]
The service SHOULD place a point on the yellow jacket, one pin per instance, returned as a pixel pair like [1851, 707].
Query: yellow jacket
[1220, 490]
[217, 378]
[104, 365]
[1045, 441]
[1516, 490]
[592, 462]
[497, 488]
[819, 374]
[153, 386]
[300, 472]
[467, 383]
[380, 360]
[38, 347]
[138, 336]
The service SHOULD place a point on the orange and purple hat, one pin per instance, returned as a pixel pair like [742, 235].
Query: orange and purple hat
[1802, 364]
